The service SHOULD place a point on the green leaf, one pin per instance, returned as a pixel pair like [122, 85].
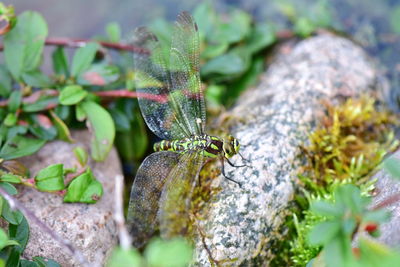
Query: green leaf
[125, 258]
[41, 104]
[80, 113]
[26, 263]
[373, 253]
[42, 127]
[60, 61]
[20, 233]
[113, 32]
[324, 232]
[214, 50]
[13, 258]
[5, 81]
[50, 178]
[304, 27]
[23, 45]
[81, 155]
[235, 29]
[20, 146]
[392, 166]
[84, 189]
[9, 188]
[4, 241]
[102, 126]
[37, 79]
[325, 208]
[230, 64]
[176, 252]
[10, 178]
[262, 36]
[72, 94]
[99, 74]
[377, 216]
[10, 120]
[83, 57]
[394, 18]
[206, 19]
[62, 129]
[46, 262]
[15, 101]
[11, 216]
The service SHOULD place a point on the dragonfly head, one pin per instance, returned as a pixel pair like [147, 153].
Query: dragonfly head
[230, 146]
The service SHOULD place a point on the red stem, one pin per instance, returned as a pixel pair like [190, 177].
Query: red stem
[103, 94]
[81, 42]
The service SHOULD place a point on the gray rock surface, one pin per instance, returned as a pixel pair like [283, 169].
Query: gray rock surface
[274, 119]
[90, 227]
[386, 187]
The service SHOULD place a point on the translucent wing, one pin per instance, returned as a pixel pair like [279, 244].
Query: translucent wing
[177, 195]
[170, 75]
[146, 193]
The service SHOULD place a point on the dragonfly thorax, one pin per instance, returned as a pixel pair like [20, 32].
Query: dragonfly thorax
[207, 145]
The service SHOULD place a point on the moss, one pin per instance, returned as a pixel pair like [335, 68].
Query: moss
[349, 143]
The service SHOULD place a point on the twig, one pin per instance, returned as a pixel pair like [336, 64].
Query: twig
[387, 201]
[124, 237]
[15, 204]
[104, 94]
[76, 43]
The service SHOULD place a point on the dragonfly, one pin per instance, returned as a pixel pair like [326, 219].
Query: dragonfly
[175, 112]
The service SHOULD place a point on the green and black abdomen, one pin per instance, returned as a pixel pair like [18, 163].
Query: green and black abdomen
[208, 146]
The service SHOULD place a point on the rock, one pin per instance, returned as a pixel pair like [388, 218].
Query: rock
[242, 224]
[386, 186]
[89, 227]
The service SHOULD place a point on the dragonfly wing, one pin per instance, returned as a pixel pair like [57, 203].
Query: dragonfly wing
[185, 57]
[175, 201]
[145, 194]
[169, 74]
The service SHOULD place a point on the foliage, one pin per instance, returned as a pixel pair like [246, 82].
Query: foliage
[350, 141]
[158, 253]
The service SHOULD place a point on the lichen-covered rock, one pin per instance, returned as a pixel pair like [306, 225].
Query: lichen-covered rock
[275, 118]
[89, 227]
[386, 187]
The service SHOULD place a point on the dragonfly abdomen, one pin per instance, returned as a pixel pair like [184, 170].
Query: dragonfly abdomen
[208, 146]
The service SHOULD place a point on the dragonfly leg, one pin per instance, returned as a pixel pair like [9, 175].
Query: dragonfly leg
[223, 173]
[236, 166]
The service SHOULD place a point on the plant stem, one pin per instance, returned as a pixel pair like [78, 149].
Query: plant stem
[124, 237]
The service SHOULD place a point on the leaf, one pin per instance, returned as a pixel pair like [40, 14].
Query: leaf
[80, 113]
[232, 63]
[323, 232]
[304, 27]
[392, 166]
[81, 155]
[113, 32]
[23, 45]
[4, 241]
[176, 252]
[121, 257]
[325, 208]
[373, 253]
[42, 127]
[13, 258]
[72, 94]
[83, 57]
[50, 178]
[20, 233]
[10, 120]
[99, 74]
[60, 61]
[11, 216]
[377, 216]
[42, 103]
[36, 79]
[84, 189]
[14, 101]
[102, 127]
[262, 36]
[46, 262]
[5, 81]
[10, 178]
[120, 119]
[20, 146]
[235, 29]
[62, 129]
